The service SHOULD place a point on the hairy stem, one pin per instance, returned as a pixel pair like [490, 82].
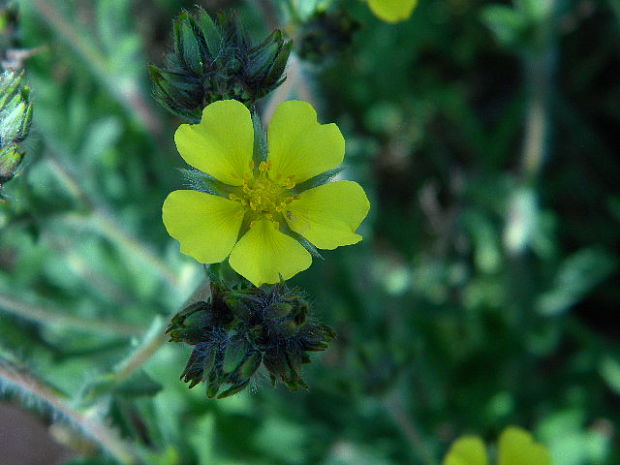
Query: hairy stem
[28, 386]
[49, 316]
[409, 430]
[153, 340]
[125, 91]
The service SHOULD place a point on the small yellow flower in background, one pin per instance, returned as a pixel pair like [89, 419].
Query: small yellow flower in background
[392, 11]
[516, 447]
[262, 204]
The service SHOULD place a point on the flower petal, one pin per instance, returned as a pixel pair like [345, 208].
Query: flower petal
[468, 450]
[207, 226]
[328, 215]
[300, 147]
[516, 447]
[221, 145]
[264, 254]
[392, 11]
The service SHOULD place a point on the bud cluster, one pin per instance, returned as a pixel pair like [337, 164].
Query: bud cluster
[15, 120]
[215, 60]
[239, 329]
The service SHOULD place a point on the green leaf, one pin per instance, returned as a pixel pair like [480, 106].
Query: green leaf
[508, 24]
[537, 10]
[577, 276]
[138, 384]
[609, 369]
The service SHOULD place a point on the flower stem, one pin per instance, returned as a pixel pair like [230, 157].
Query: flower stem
[409, 430]
[110, 228]
[44, 315]
[30, 387]
[153, 340]
[124, 90]
[538, 68]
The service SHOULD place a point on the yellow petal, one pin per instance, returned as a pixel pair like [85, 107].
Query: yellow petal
[207, 226]
[516, 447]
[264, 254]
[328, 215]
[300, 147]
[221, 144]
[468, 450]
[392, 11]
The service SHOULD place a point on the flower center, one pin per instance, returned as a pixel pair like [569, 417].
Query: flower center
[261, 197]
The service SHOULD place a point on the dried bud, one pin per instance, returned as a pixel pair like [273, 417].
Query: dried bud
[216, 61]
[239, 329]
[15, 120]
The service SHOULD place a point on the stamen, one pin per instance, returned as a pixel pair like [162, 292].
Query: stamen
[290, 183]
[261, 196]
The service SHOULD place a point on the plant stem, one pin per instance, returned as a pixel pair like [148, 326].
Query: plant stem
[104, 222]
[409, 430]
[44, 315]
[29, 386]
[153, 340]
[126, 91]
[81, 266]
[538, 68]
[110, 228]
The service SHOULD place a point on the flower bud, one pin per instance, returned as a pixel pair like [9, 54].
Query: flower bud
[215, 60]
[15, 120]
[239, 329]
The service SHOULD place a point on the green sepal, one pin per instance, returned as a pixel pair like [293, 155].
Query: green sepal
[10, 159]
[241, 328]
[215, 60]
[15, 121]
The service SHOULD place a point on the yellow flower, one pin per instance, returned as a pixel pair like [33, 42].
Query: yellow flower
[516, 447]
[264, 207]
[392, 11]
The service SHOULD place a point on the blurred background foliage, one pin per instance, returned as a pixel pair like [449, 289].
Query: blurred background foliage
[484, 294]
